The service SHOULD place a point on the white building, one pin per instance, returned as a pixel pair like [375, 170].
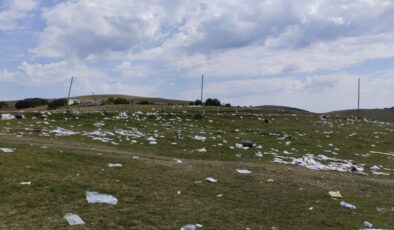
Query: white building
[73, 101]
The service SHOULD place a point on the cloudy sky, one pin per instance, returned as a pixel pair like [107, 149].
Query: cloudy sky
[303, 53]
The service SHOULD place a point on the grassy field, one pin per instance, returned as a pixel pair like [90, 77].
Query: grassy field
[163, 185]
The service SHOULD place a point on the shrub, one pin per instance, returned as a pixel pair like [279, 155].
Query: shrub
[30, 103]
[57, 103]
[228, 105]
[196, 102]
[212, 102]
[121, 101]
[3, 105]
[109, 101]
[144, 103]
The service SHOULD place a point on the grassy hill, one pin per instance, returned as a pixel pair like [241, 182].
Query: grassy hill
[103, 97]
[375, 114]
[278, 107]
[155, 100]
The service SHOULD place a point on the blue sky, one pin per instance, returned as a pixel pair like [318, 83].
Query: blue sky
[306, 54]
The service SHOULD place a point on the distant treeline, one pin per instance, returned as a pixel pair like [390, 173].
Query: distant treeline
[62, 102]
[3, 105]
[210, 102]
[30, 103]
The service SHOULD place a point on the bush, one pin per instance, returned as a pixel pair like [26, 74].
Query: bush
[109, 101]
[3, 105]
[121, 101]
[212, 102]
[228, 105]
[144, 103]
[30, 103]
[196, 102]
[57, 103]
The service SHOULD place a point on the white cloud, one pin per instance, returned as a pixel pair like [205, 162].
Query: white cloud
[13, 12]
[136, 46]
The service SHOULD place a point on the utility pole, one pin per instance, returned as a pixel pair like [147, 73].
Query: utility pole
[202, 88]
[358, 100]
[69, 92]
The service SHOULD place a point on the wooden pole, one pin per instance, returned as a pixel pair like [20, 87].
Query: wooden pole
[358, 99]
[69, 92]
[202, 89]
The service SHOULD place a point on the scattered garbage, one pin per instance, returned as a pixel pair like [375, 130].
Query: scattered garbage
[178, 161]
[199, 138]
[210, 179]
[376, 171]
[73, 219]
[202, 150]
[244, 171]
[25, 183]
[95, 197]
[335, 194]
[191, 227]
[60, 132]
[347, 205]
[8, 150]
[314, 162]
[270, 180]
[247, 143]
[367, 224]
[7, 116]
[114, 165]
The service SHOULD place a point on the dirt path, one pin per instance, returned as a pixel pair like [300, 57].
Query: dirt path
[278, 170]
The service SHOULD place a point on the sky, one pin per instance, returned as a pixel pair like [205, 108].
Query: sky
[306, 53]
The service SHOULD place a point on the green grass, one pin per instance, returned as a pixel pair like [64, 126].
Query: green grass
[147, 187]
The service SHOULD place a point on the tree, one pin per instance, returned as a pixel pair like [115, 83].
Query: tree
[109, 101]
[121, 101]
[212, 102]
[57, 103]
[3, 105]
[30, 103]
[196, 102]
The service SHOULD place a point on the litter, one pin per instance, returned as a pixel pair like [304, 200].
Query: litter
[7, 116]
[243, 171]
[202, 150]
[191, 227]
[114, 165]
[178, 161]
[60, 132]
[73, 219]
[8, 150]
[210, 179]
[335, 194]
[375, 170]
[219, 195]
[270, 180]
[347, 205]
[313, 162]
[247, 143]
[367, 224]
[95, 197]
[199, 138]
[25, 183]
